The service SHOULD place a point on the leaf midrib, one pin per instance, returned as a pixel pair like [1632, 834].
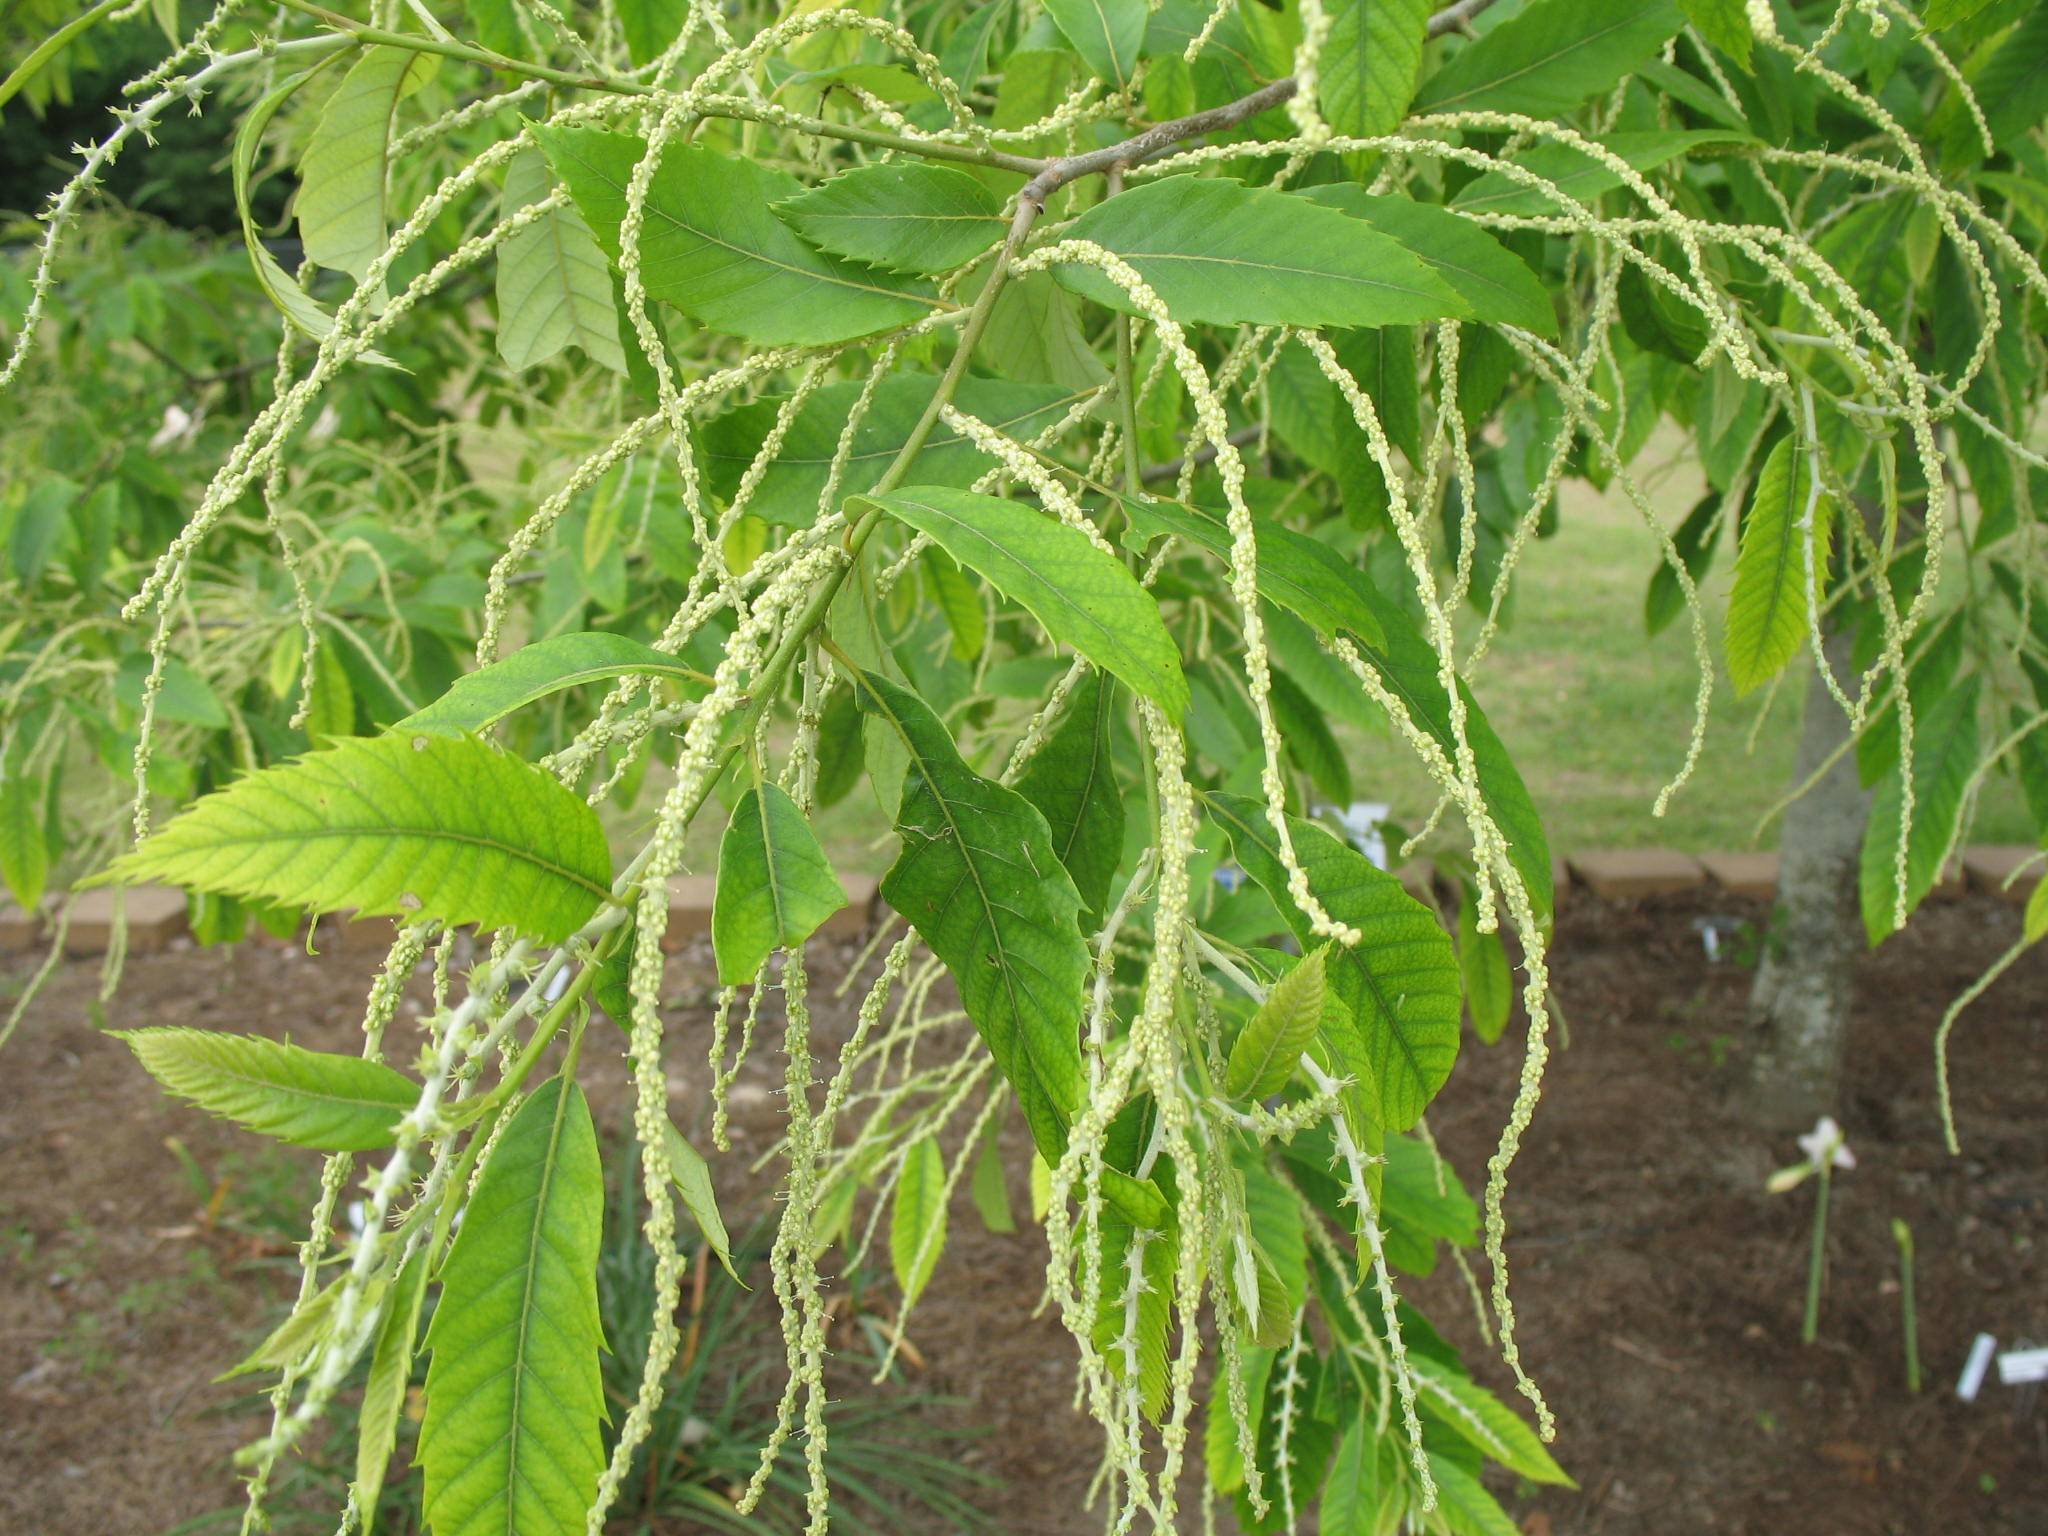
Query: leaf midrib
[215, 841]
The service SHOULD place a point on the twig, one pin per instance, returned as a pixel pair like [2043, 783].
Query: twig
[1153, 473]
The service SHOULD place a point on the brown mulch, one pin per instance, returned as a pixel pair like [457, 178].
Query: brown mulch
[1659, 1288]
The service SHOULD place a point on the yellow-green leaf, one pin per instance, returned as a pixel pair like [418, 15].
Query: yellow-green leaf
[1270, 1046]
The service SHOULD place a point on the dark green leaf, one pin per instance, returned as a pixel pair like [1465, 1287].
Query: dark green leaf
[1485, 1422]
[979, 881]
[1308, 738]
[1495, 284]
[907, 218]
[1083, 595]
[1551, 56]
[1579, 176]
[1464, 1505]
[1725, 24]
[1106, 33]
[1220, 252]
[1370, 61]
[713, 247]
[692, 1178]
[796, 478]
[775, 885]
[1944, 759]
[1483, 962]
[1400, 982]
[1073, 783]
[1666, 598]
[305, 1098]
[512, 1439]
[24, 849]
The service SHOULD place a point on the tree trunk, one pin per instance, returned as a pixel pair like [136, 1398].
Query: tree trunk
[1799, 1005]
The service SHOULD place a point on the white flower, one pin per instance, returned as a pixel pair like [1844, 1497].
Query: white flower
[178, 427]
[1824, 1143]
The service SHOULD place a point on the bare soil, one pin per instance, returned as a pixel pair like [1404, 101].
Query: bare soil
[1659, 1287]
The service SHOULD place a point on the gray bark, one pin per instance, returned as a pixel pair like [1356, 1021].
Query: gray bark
[1798, 1018]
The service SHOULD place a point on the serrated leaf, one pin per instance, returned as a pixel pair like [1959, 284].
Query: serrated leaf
[1464, 1505]
[24, 847]
[692, 1176]
[1483, 1420]
[1269, 1048]
[1073, 783]
[1776, 582]
[1310, 743]
[1370, 62]
[341, 205]
[515, 1398]
[554, 286]
[917, 1220]
[978, 880]
[906, 218]
[301, 1097]
[384, 1390]
[1220, 1431]
[1496, 284]
[713, 247]
[1301, 574]
[1725, 24]
[775, 885]
[798, 475]
[1551, 56]
[480, 699]
[990, 1184]
[1107, 34]
[1083, 595]
[1354, 1499]
[1946, 13]
[1222, 253]
[1483, 963]
[1147, 1330]
[1944, 761]
[290, 1339]
[1400, 983]
[1342, 600]
[1579, 176]
[427, 828]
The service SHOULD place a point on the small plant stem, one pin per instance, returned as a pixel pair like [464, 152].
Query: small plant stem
[53, 45]
[1816, 1264]
[1909, 1309]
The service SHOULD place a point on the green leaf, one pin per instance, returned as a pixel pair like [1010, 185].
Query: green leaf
[24, 849]
[1944, 760]
[906, 218]
[713, 247]
[1308, 738]
[649, 26]
[1153, 1312]
[1464, 1505]
[426, 828]
[692, 1176]
[290, 1339]
[301, 1097]
[1665, 599]
[185, 697]
[1485, 1421]
[1370, 61]
[1946, 13]
[1725, 24]
[990, 1184]
[1406, 663]
[1073, 783]
[1400, 982]
[341, 207]
[1269, 1048]
[1083, 595]
[37, 524]
[1496, 285]
[384, 1391]
[1551, 56]
[480, 699]
[1483, 963]
[1422, 1202]
[1578, 175]
[978, 880]
[775, 885]
[917, 1220]
[2035, 921]
[1222, 253]
[959, 598]
[796, 478]
[1354, 1500]
[1775, 584]
[1106, 33]
[1300, 573]
[554, 286]
[515, 1398]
